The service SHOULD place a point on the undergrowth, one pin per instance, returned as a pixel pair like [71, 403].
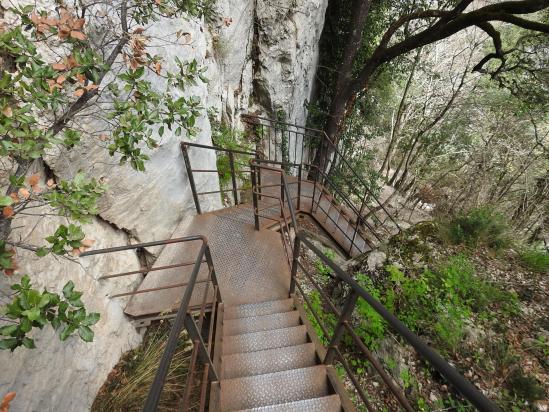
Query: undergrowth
[535, 260]
[127, 386]
[229, 138]
[480, 226]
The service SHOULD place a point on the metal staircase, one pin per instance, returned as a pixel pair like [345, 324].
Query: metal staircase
[241, 288]
[269, 362]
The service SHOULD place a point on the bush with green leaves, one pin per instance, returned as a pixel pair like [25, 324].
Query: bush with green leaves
[321, 267]
[536, 260]
[55, 80]
[327, 319]
[31, 308]
[440, 301]
[227, 137]
[480, 226]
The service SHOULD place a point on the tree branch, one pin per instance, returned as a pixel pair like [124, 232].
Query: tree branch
[60, 123]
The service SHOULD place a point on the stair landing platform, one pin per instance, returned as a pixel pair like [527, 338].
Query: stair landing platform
[251, 266]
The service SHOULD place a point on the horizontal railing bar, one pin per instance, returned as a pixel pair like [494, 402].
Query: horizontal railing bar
[217, 148]
[146, 270]
[215, 191]
[138, 292]
[268, 217]
[264, 195]
[267, 186]
[146, 244]
[250, 116]
[205, 171]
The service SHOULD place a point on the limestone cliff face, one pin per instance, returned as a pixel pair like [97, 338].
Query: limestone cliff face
[261, 57]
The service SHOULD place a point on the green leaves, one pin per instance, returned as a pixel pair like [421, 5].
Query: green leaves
[6, 257]
[33, 309]
[5, 201]
[64, 240]
[76, 199]
[139, 110]
[86, 334]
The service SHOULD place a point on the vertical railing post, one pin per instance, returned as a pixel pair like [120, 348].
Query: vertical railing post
[191, 177]
[299, 187]
[258, 177]
[203, 354]
[340, 327]
[358, 220]
[209, 262]
[233, 177]
[254, 196]
[282, 191]
[297, 246]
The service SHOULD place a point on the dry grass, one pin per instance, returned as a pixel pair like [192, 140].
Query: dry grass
[128, 384]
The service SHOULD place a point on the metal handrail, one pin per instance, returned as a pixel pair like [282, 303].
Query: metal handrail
[324, 140]
[182, 318]
[467, 389]
[359, 218]
[218, 148]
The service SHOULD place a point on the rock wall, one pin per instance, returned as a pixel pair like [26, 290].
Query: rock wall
[261, 57]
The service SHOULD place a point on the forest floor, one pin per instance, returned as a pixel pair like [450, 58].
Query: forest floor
[482, 310]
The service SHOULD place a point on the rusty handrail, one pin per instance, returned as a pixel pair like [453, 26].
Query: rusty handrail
[467, 389]
[325, 141]
[182, 318]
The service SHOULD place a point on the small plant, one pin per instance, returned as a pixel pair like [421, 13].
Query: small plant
[526, 387]
[327, 319]
[481, 226]
[372, 326]
[323, 269]
[33, 309]
[228, 138]
[535, 260]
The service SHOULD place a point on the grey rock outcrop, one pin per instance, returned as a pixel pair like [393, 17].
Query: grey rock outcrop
[261, 57]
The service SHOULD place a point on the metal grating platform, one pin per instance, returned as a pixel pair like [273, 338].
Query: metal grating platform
[250, 265]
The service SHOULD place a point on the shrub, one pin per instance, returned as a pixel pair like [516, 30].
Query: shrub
[535, 260]
[228, 138]
[526, 387]
[327, 319]
[480, 226]
[371, 327]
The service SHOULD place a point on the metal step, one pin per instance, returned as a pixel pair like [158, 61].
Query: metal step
[256, 341]
[273, 388]
[259, 309]
[325, 404]
[260, 323]
[268, 361]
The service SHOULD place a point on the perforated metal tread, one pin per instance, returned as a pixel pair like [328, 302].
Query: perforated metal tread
[268, 361]
[325, 404]
[260, 323]
[273, 388]
[259, 309]
[256, 341]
